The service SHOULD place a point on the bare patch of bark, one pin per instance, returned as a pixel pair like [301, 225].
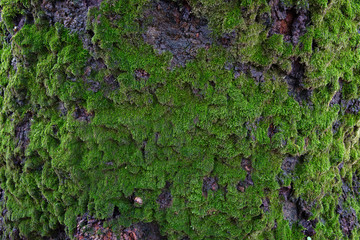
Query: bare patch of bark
[171, 26]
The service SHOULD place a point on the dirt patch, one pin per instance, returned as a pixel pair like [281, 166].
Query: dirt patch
[227, 40]
[347, 215]
[240, 68]
[258, 75]
[59, 234]
[288, 21]
[141, 75]
[272, 130]
[335, 127]
[285, 192]
[356, 183]
[3, 213]
[165, 198]
[297, 210]
[72, 14]
[295, 85]
[243, 184]
[290, 212]
[171, 26]
[62, 109]
[111, 82]
[92, 67]
[81, 114]
[353, 106]
[246, 165]
[251, 127]
[209, 183]
[347, 219]
[337, 98]
[142, 231]
[22, 132]
[309, 226]
[89, 228]
[289, 164]
[265, 206]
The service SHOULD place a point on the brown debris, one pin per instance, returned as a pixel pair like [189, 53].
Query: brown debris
[81, 114]
[265, 206]
[111, 82]
[272, 130]
[242, 185]
[89, 228]
[141, 74]
[246, 165]
[142, 231]
[92, 229]
[209, 183]
[227, 40]
[165, 198]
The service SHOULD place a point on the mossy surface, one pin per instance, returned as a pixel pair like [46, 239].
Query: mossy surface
[253, 138]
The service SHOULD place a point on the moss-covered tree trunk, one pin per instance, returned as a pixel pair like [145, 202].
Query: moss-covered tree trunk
[186, 119]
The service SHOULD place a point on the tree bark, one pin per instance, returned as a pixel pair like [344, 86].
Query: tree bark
[179, 119]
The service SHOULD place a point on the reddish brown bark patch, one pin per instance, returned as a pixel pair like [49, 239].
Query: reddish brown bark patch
[288, 21]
